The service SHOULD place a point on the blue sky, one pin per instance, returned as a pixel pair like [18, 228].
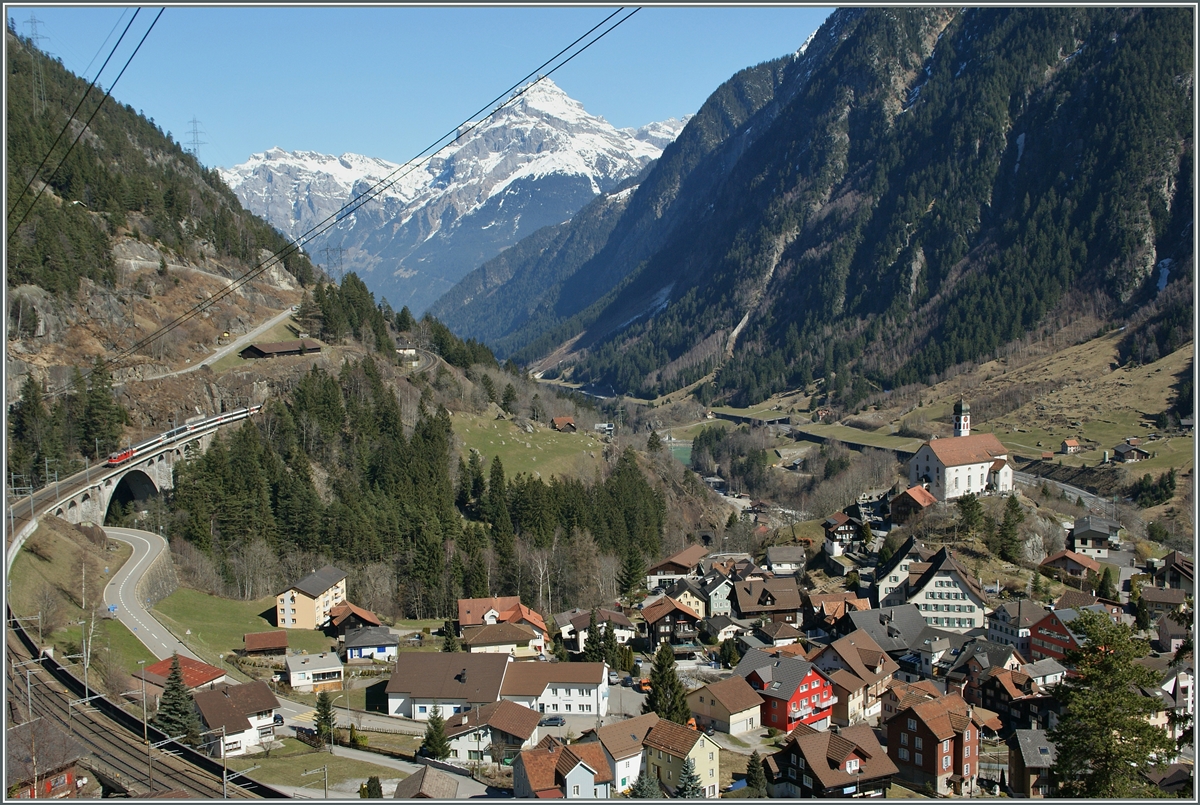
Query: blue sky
[388, 81]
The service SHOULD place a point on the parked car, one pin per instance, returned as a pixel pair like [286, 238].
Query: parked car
[627, 682]
[710, 731]
[543, 658]
[613, 678]
[278, 719]
[552, 721]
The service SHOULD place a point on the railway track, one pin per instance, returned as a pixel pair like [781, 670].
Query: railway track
[122, 755]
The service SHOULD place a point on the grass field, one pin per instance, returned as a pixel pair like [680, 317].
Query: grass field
[287, 764]
[544, 453]
[286, 330]
[732, 767]
[217, 624]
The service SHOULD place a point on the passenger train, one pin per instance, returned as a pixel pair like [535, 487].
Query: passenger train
[138, 450]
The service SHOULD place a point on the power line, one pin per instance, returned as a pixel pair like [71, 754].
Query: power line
[195, 143]
[84, 128]
[457, 133]
[39, 83]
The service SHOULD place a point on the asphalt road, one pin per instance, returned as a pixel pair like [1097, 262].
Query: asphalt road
[237, 344]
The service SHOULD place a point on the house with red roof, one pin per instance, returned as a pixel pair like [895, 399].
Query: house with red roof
[555, 771]
[347, 617]
[909, 503]
[859, 670]
[196, 676]
[1072, 564]
[502, 609]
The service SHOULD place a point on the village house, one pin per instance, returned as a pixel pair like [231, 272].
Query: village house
[1171, 634]
[1030, 764]
[493, 733]
[1175, 571]
[265, 643]
[622, 743]
[937, 742]
[676, 566]
[909, 503]
[773, 599]
[965, 464]
[946, 593]
[427, 782]
[669, 744]
[1129, 453]
[1011, 622]
[722, 628]
[1069, 563]
[860, 671]
[562, 688]
[196, 676]
[899, 695]
[314, 672]
[668, 621]
[243, 714]
[308, 603]
[554, 771]
[1052, 637]
[563, 424]
[42, 762]
[347, 617]
[793, 690]
[819, 613]
[573, 626]
[825, 764]
[717, 590]
[729, 706]
[1161, 601]
[275, 349]
[1017, 699]
[786, 560]
[777, 634]
[502, 609]
[841, 530]
[1094, 536]
[690, 593]
[895, 571]
[975, 658]
[372, 643]
[454, 681]
[1070, 447]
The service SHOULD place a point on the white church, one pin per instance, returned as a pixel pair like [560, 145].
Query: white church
[950, 468]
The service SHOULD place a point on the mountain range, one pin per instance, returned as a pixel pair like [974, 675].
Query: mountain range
[534, 163]
[913, 189]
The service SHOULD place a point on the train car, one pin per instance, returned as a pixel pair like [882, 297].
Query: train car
[120, 457]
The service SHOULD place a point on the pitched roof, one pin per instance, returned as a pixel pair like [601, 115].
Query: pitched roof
[778, 630]
[579, 619]
[893, 628]
[372, 636]
[427, 783]
[503, 715]
[590, 753]
[863, 657]
[1074, 599]
[449, 676]
[663, 607]
[1167, 595]
[733, 693]
[752, 595]
[945, 716]
[317, 582]
[539, 765]
[266, 641]
[675, 739]
[531, 678]
[498, 634]
[344, 610]
[472, 610]
[624, 738]
[1023, 613]
[39, 744]
[228, 706]
[974, 449]
[294, 345]
[825, 752]
[909, 548]
[195, 673]
[688, 557]
[941, 562]
[781, 675]
[918, 495]
[1036, 751]
[1077, 558]
[786, 554]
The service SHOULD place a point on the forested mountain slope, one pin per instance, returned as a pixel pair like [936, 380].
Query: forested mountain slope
[923, 186]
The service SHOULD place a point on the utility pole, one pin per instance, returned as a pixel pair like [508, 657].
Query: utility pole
[325, 771]
[334, 270]
[195, 142]
[39, 82]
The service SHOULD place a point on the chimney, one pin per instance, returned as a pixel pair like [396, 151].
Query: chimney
[464, 720]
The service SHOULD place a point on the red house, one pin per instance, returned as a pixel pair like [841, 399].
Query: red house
[793, 690]
[937, 742]
[1052, 636]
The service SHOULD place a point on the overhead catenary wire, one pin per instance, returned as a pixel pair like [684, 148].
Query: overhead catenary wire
[506, 98]
[82, 129]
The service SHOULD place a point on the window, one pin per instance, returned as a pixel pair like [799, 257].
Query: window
[668, 774]
[582, 692]
[802, 765]
[945, 761]
[912, 724]
[774, 704]
[804, 687]
[712, 773]
[710, 755]
[904, 739]
[903, 753]
[920, 744]
[946, 745]
[967, 770]
[59, 780]
[807, 781]
[567, 707]
[575, 790]
[919, 759]
[791, 774]
[967, 750]
[852, 764]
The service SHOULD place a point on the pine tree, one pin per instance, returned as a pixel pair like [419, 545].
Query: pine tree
[970, 513]
[374, 788]
[1009, 542]
[645, 787]
[451, 642]
[593, 644]
[667, 696]
[756, 778]
[610, 648]
[1142, 614]
[436, 745]
[653, 443]
[103, 417]
[730, 656]
[325, 719]
[509, 401]
[689, 782]
[1104, 740]
[1107, 588]
[177, 714]
[633, 571]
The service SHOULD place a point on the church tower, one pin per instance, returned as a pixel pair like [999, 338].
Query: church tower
[962, 418]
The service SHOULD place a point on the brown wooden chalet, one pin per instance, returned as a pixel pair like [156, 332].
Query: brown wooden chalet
[274, 349]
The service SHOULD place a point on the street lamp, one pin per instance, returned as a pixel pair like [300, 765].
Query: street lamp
[334, 736]
[146, 731]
